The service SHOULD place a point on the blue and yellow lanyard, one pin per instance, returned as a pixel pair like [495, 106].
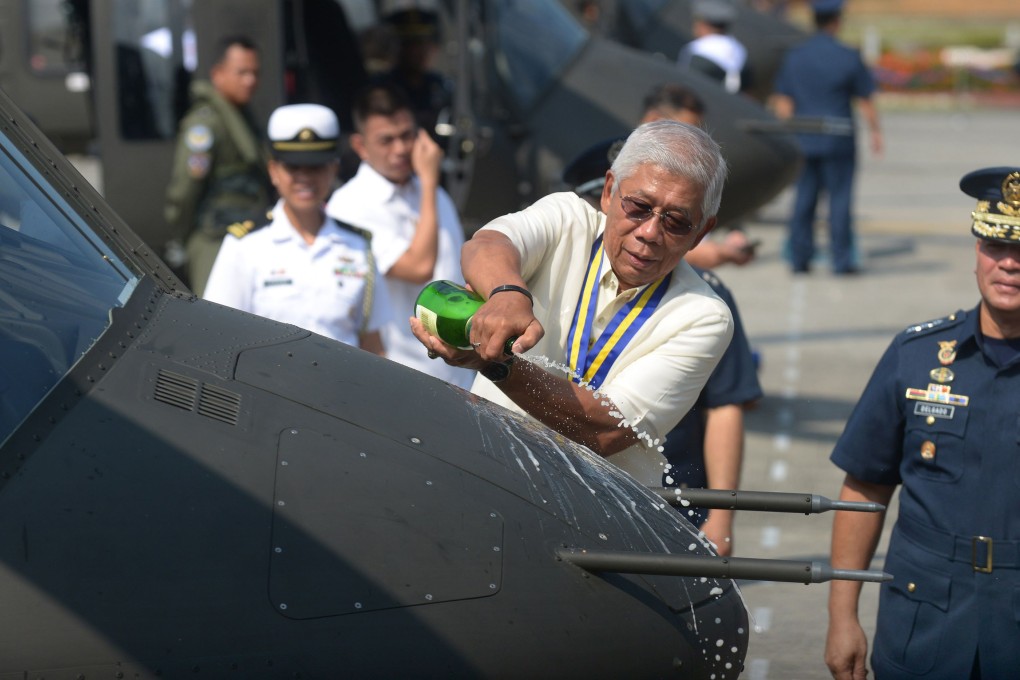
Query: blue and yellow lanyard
[599, 357]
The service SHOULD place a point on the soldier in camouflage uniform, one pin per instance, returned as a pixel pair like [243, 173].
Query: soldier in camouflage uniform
[219, 174]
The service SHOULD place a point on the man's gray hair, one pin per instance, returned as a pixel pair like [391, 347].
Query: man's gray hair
[681, 150]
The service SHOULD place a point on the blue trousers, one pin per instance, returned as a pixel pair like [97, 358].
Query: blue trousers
[834, 175]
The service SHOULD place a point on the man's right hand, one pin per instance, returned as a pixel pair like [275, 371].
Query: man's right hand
[503, 316]
[846, 650]
[426, 159]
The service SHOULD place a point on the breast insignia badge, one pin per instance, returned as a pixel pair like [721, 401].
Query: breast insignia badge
[947, 352]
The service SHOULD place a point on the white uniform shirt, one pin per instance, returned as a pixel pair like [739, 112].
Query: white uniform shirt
[320, 286]
[659, 374]
[390, 211]
[723, 50]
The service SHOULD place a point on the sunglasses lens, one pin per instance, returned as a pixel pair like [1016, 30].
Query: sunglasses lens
[636, 210]
[677, 226]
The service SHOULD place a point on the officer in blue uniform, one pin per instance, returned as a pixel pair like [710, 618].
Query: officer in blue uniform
[941, 418]
[705, 449]
[821, 78]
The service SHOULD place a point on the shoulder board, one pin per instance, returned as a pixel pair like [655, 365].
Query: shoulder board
[709, 277]
[364, 233]
[936, 324]
[241, 229]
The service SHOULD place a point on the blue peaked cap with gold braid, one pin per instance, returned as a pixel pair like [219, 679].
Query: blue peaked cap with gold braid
[997, 216]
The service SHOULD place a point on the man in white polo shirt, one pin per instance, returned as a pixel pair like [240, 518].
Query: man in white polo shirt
[608, 293]
[416, 234]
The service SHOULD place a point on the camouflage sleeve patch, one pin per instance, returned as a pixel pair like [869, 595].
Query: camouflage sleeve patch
[198, 138]
[198, 165]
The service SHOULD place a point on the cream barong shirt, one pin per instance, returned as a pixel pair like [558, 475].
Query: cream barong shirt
[659, 374]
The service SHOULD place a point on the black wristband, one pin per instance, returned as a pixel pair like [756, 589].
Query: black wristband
[516, 289]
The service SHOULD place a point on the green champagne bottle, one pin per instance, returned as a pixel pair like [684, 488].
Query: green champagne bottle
[445, 309]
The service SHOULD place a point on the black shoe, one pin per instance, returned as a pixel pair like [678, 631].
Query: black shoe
[849, 271]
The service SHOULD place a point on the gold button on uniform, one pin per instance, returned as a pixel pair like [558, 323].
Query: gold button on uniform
[911, 587]
[928, 450]
[930, 420]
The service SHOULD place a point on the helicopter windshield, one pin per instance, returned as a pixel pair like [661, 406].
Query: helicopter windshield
[536, 41]
[58, 283]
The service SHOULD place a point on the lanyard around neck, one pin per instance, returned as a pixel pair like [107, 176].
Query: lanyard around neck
[598, 356]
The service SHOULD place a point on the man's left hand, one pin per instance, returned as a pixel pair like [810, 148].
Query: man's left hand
[437, 349]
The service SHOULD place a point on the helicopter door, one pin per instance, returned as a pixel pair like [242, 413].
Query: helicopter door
[145, 54]
[43, 54]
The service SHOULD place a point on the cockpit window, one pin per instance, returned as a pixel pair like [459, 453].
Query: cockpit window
[536, 40]
[641, 12]
[58, 283]
[156, 55]
[56, 36]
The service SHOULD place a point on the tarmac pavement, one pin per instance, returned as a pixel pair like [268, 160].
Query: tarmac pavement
[820, 337]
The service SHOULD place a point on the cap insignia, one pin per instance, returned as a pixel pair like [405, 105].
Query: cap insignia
[306, 135]
[1010, 203]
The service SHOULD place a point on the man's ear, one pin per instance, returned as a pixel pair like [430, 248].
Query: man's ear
[358, 144]
[709, 226]
[607, 191]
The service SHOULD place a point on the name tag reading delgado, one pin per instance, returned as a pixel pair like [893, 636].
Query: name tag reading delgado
[923, 408]
[938, 394]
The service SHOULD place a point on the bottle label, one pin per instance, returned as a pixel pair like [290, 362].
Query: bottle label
[428, 319]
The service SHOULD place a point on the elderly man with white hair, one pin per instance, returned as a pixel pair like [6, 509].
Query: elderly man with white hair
[607, 293]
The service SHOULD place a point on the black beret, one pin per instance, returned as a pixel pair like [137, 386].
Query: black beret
[587, 172]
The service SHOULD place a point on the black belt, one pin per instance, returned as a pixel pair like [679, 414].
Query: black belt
[983, 553]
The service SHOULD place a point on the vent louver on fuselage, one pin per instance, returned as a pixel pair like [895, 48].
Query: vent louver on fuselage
[191, 395]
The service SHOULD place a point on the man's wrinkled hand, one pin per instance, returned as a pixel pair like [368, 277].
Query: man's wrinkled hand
[437, 349]
[505, 316]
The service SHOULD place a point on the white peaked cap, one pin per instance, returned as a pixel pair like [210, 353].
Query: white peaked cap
[304, 134]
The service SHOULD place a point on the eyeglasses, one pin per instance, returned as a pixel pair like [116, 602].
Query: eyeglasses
[674, 223]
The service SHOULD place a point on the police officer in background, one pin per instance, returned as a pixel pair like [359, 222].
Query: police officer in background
[416, 24]
[219, 172]
[823, 78]
[304, 268]
[941, 418]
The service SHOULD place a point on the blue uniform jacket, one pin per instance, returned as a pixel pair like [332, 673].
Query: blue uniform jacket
[823, 76]
[941, 418]
[734, 381]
